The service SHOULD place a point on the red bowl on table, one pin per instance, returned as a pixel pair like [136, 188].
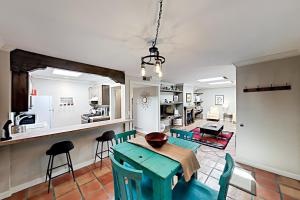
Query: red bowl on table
[156, 139]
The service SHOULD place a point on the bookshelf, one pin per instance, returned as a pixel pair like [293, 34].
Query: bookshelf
[171, 105]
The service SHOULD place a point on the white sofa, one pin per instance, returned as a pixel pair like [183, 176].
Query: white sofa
[213, 114]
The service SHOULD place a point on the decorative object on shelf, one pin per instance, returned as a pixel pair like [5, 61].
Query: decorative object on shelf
[175, 98]
[144, 100]
[170, 110]
[176, 112]
[197, 98]
[188, 97]
[154, 59]
[219, 99]
[271, 88]
[177, 122]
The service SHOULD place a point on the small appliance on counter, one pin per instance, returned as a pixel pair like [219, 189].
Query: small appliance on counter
[6, 132]
[89, 118]
[23, 119]
[96, 113]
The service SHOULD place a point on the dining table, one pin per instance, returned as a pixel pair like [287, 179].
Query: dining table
[159, 168]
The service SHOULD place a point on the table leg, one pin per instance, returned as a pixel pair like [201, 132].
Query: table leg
[162, 189]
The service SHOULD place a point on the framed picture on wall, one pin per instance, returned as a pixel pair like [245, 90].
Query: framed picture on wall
[188, 97]
[219, 99]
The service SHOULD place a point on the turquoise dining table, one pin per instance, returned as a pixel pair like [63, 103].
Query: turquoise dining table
[159, 168]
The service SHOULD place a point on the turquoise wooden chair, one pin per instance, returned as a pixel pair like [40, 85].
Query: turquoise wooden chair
[123, 137]
[197, 190]
[129, 183]
[186, 135]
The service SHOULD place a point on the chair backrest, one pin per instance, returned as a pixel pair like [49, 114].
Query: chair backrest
[182, 134]
[123, 137]
[225, 177]
[127, 181]
[214, 110]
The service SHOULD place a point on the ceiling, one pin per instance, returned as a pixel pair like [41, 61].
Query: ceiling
[199, 38]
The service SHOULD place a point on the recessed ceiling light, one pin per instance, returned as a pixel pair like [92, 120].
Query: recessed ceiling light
[66, 73]
[220, 83]
[219, 78]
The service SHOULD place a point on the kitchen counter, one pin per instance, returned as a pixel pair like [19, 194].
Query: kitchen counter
[36, 134]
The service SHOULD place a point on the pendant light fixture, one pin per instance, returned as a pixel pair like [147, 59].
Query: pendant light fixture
[154, 59]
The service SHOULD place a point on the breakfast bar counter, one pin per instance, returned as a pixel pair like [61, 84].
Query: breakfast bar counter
[24, 160]
[37, 134]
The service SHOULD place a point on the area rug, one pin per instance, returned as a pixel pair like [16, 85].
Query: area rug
[219, 142]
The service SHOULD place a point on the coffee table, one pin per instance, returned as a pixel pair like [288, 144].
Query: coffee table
[212, 128]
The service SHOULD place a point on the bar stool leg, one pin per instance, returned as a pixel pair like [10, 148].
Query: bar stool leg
[112, 144]
[71, 165]
[50, 174]
[96, 151]
[47, 173]
[101, 153]
[107, 148]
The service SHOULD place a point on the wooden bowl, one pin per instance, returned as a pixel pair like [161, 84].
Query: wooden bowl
[156, 139]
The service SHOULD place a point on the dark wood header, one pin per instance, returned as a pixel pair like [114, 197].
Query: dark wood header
[22, 62]
[25, 61]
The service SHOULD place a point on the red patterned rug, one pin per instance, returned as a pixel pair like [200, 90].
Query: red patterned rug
[219, 141]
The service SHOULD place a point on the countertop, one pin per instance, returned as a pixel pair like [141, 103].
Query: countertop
[34, 135]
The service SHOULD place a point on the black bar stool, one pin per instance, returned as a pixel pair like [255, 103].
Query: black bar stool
[107, 137]
[56, 149]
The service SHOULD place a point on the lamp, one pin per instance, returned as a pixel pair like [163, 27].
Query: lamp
[143, 70]
[154, 59]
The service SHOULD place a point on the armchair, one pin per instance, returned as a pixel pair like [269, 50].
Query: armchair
[213, 114]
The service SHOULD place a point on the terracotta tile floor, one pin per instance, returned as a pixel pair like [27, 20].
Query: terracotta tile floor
[93, 182]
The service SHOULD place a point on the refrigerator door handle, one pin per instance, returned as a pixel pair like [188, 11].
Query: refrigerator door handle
[30, 102]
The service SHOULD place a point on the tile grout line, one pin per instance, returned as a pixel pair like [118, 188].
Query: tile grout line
[82, 197]
[102, 185]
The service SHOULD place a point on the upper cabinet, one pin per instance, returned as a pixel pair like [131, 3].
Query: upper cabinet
[99, 93]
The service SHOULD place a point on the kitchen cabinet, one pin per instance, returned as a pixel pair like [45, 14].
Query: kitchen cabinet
[100, 93]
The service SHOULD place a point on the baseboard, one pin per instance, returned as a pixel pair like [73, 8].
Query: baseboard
[268, 168]
[4, 195]
[34, 182]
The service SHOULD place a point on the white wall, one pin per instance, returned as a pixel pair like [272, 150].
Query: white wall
[270, 138]
[64, 115]
[5, 85]
[146, 119]
[208, 98]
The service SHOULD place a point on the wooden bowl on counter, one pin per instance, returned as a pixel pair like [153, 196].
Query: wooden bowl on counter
[156, 139]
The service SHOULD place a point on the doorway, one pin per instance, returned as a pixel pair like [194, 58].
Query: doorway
[145, 109]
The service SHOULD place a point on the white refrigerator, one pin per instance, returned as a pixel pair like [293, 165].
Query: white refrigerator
[42, 107]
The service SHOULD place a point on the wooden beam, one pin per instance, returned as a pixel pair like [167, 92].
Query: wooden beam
[25, 61]
[19, 92]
